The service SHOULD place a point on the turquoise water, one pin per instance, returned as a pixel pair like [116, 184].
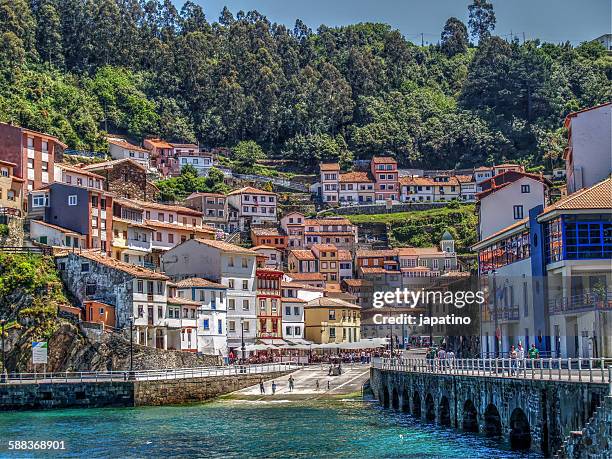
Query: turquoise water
[277, 429]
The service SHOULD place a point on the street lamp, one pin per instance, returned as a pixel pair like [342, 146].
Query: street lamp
[242, 346]
[494, 273]
[4, 375]
[131, 375]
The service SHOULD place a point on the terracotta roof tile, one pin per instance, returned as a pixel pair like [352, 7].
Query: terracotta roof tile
[329, 166]
[597, 197]
[197, 282]
[303, 255]
[363, 253]
[344, 255]
[226, 246]
[356, 177]
[306, 276]
[136, 271]
[383, 159]
[266, 232]
[167, 207]
[327, 302]
[125, 144]
[112, 163]
[250, 190]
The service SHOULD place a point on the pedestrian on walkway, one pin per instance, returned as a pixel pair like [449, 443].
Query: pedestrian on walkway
[513, 356]
[317, 385]
[262, 389]
[328, 384]
[290, 383]
[273, 387]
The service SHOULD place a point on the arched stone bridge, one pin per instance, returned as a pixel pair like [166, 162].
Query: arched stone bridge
[529, 413]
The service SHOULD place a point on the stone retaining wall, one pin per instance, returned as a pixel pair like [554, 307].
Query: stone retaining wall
[15, 397]
[193, 390]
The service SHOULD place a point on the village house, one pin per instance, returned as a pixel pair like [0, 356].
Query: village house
[385, 173]
[198, 311]
[172, 225]
[330, 320]
[417, 189]
[587, 156]
[230, 265]
[138, 295]
[361, 289]
[32, 153]
[119, 148]
[506, 198]
[161, 155]
[84, 210]
[330, 230]
[345, 264]
[313, 279]
[293, 226]
[356, 188]
[253, 206]
[327, 257]
[273, 258]
[468, 188]
[330, 173]
[202, 161]
[268, 236]
[213, 207]
[125, 178]
[269, 307]
[293, 312]
[11, 191]
[132, 239]
[302, 261]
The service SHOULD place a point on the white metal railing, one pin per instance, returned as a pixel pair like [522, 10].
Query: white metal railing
[592, 370]
[149, 375]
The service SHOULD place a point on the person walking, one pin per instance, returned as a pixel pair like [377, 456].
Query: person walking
[520, 357]
[317, 385]
[273, 387]
[513, 356]
[290, 383]
[328, 384]
[262, 389]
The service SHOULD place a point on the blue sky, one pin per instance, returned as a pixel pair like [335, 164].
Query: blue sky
[549, 20]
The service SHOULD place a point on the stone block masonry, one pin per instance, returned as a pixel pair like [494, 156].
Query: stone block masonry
[28, 396]
[193, 390]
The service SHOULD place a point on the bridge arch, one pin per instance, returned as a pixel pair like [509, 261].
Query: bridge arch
[430, 408]
[492, 421]
[395, 404]
[416, 405]
[384, 398]
[444, 417]
[405, 401]
[469, 423]
[520, 432]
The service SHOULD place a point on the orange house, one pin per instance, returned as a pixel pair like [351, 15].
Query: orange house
[99, 313]
[269, 236]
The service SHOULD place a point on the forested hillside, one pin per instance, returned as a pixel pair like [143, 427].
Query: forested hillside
[80, 68]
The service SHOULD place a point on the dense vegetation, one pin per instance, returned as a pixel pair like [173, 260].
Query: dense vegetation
[30, 293]
[424, 228]
[78, 68]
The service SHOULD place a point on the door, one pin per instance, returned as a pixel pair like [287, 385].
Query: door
[150, 315]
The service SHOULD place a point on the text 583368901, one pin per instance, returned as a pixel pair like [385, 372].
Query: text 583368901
[36, 444]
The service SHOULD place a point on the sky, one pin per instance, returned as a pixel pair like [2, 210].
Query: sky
[549, 20]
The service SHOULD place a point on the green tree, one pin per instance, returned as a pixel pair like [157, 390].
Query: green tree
[454, 39]
[482, 19]
[49, 34]
[247, 152]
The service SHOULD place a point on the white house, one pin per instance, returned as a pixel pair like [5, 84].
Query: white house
[200, 160]
[506, 198]
[253, 206]
[211, 316]
[230, 265]
[273, 256]
[417, 189]
[119, 148]
[293, 312]
[587, 157]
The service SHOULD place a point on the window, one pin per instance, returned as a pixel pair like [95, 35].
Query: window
[246, 325]
[84, 267]
[245, 305]
[296, 310]
[524, 188]
[230, 283]
[288, 331]
[72, 200]
[231, 325]
[170, 238]
[90, 288]
[332, 314]
[231, 304]
[262, 305]
[220, 326]
[245, 285]
[332, 332]
[45, 166]
[230, 262]
[140, 286]
[518, 212]
[287, 310]
[39, 200]
[160, 288]
[245, 262]
[160, 217]
[205, 324]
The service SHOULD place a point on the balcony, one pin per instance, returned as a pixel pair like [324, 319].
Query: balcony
[135, 244]
[586, 301]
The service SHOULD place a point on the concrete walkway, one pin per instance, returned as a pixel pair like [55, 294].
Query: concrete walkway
[305, 384]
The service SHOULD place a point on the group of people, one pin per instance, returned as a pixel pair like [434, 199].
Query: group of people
[262, 387]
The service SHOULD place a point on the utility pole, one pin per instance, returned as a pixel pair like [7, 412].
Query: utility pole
[422, 41]
[495, 312]
[242, 346]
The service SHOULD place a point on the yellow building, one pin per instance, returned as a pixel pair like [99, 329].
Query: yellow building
[331, 320]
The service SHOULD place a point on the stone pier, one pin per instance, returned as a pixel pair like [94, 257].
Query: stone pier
[530, 414]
